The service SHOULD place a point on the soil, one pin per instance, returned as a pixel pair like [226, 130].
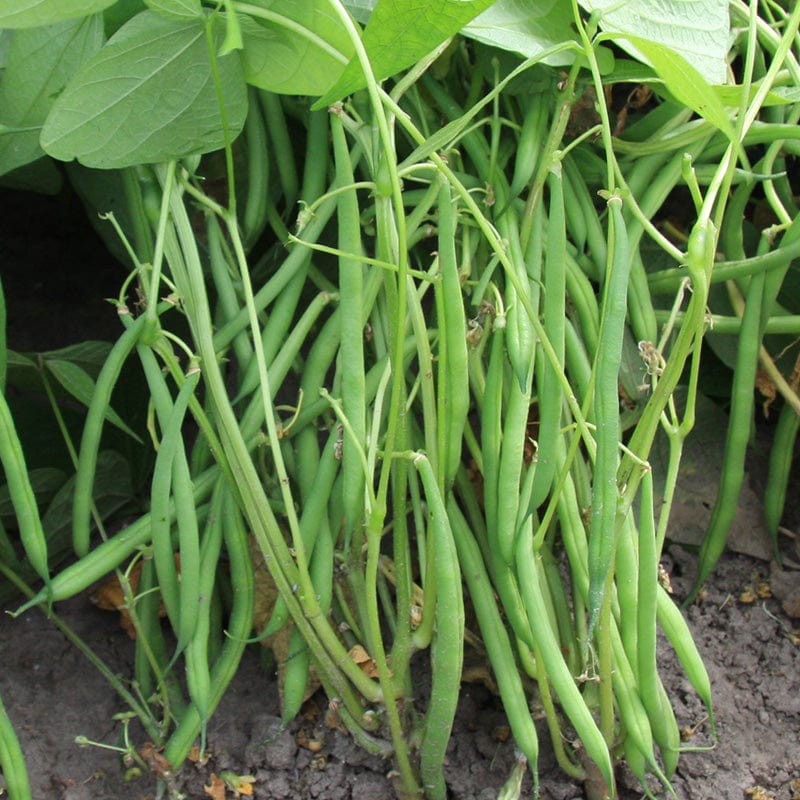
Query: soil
[750, 644]
[751, 651]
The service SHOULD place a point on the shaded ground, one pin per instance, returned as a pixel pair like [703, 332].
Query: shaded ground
[53, 694]
[750, 649]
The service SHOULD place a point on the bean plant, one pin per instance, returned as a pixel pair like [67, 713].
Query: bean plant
[410, 315]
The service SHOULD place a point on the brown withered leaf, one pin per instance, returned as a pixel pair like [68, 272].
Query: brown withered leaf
[364, 660]
[215, 789]
[768, 390]
[266, 593]
[156, 762]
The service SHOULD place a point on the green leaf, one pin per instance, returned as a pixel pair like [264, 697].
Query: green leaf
[90, 355]
[293, 46]
[41, 176]
[696, 29]
[45, 482]
[360, 10]
[685, 83]
[526, 28]
[112, 490]
[80, 385]
[399, 33]
[31, 13]
[732, 96]
[147, 96]
[40, 62]
[19, 361]
[176, 9]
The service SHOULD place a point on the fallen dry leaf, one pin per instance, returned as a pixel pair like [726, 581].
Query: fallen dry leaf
[364, 660]
[215, 789]
[758, 793]
[156, 763]
[109, 596]
[266, 593]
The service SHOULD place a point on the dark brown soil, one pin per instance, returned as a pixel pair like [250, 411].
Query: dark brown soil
[751, 651]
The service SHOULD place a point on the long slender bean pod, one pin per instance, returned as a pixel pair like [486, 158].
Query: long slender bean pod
[256, 201]
[281, 145]
[549, 390]
[529, 144]
[447, 649]
[168, 475]
[92, 430]
[240, 624]
[453, 338]
[781, 457]
[558, 672]
[495, 637]
[491, 421]
[741, 414]
[605, 494]
[198, 674]
[21, 493]
[351, 354]
[677, 631]
[651, 692]
[12, 760]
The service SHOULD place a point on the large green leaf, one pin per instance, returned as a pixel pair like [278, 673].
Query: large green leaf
[147, 96]
[81, 386]
[176, 9]
[685, 83]
[293, 46]
[526, 28]
[45, 482]
[40, 62]
[31, 13]
[399, 33]
[698, 30]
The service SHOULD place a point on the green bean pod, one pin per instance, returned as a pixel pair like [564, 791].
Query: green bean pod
[677, 631]
[510, 469]
[548, 387]
[313, 521]
[256, 202]
[529, 144]
[631, 710]
[447, 648]
[495, 638]
[351, 354]
[171, 477]
[12, 760]
[741, 415]
[108, 555]
[20, 490]
[150, 657]
[240, 624]
[603, 532]
[227, 297]
[453, 338]
[295, 676]
[281, 145]
[198, 673]
[558, 673]
[627, 566]
[781, 457]
[520, 339]
[651, 691]
[492, 423]
[581, 204]
[92, 431]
